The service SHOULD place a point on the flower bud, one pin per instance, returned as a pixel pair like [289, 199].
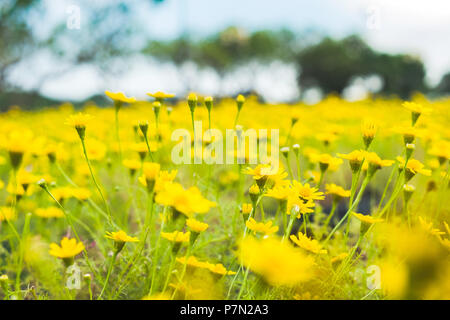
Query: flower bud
[156, 109]
[254, 192]
[410, 147]
[240, 101]
[408, 191]
[143, 126]
[285, 152]
[246, 210]
[209, 103]
[192, 101]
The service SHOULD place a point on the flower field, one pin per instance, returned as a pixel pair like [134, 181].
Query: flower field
[94, 206]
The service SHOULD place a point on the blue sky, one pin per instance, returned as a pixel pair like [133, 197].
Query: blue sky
[203, 17]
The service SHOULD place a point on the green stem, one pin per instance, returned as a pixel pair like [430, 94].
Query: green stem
[291, 175]
[330, 215]
[236, 119]
[95, 182]
[148, 147]
[111, 266]
[289, 228]
[354, 204]
[155, 257]
[299, 176]
[322, 175]
[244, 282]
[72, 227]
[387, 187]
[117, 131]
[25, 230]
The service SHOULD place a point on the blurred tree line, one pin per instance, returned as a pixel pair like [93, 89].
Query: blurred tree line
[327, 63]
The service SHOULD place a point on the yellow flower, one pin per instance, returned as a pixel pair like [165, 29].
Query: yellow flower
[355, 159]
[159, 95]
[246, 208]
[25, 178]
[409, 133]
[428, 227]
[7, 213]
[78, 120]
[440, 149]
[151, 170]
[299, 206]
[375, 163]
[119, 96]
[120, 236]
[50, 212]
[132, 164]
[188, 201]
[265, 228]
[176, 236]
[308, 244]
[196, 225]
[68, 249]
[158, 296]
[240, 98]
[413, 167]
[366, 219]
[261, 171]
[81, 193]
[278, 262]
[192, 97]
[415, 107]
[326, 137]
[280, 192]
[337, 191]
[192, 261]
[164, 178]
[217, 268]
[369, 129]
[254, 189]
[306, 192]
[328, 162]
[339, 257]
[313, 176]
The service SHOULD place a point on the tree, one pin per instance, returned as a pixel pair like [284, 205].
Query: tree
[331, 64]
[444, 85]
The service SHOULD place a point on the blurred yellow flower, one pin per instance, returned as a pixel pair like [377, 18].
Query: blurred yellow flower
[278, 262]
[69, 248]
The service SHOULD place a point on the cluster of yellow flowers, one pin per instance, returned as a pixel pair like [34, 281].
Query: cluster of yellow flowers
[104, 182]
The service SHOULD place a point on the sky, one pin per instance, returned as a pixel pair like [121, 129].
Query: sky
[417, 27]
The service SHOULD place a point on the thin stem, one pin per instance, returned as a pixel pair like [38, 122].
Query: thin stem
[117, 130]
[155, 257]
[69, 221]
[236, 119]
[299, 176]
[387, 187]
[244, 282]
[289, 228]
[25, 230]
[330, 215]
[95, 181]
[322, 175]
[111, 266]
[354, 204]
[148, 147]
[291, 175]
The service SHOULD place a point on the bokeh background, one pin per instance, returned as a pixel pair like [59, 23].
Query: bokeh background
[54, 51]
